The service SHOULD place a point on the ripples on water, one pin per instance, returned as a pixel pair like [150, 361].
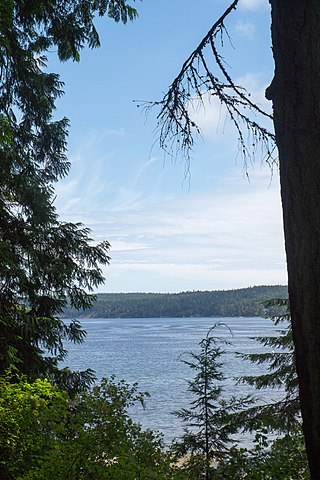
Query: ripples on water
[147, 351]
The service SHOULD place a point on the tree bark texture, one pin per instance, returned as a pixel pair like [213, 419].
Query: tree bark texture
[295, 92]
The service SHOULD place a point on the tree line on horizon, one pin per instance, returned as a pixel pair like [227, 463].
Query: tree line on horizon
[243, 302]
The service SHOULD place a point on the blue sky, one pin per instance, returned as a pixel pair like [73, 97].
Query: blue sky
[211, 230]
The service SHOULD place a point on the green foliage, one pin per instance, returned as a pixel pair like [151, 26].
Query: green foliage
[282, 415]
[246, 302]
[206, 445]
[282, 459]
[208, 421]
[43, 262]
[269, 458]
[30, 414]
[47, 436]
[67, 25]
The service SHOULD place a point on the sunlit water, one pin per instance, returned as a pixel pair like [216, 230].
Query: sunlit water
[147, 351]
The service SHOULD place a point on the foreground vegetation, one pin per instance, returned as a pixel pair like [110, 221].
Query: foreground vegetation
[243, 302]
[52, 433]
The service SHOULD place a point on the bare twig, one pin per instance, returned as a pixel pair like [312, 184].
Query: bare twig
[176, 129]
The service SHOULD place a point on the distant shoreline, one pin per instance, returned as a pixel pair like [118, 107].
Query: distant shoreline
[243, 302]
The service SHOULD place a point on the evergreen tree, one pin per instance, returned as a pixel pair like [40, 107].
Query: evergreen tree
[211, 418]
[43, 262]
[208, 422]
[283, 415]
[268, 457]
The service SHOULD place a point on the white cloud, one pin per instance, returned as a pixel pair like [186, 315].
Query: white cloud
[174, 278]
[228, 238]
[127, 246]
[212, 118]
[253, 4]
[245, 29]
[256, 85]
[115, 132]
[215, 122]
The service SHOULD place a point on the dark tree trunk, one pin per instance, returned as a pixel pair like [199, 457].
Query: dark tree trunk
[295, 92]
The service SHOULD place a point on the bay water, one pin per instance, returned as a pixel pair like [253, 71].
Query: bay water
[149, 350]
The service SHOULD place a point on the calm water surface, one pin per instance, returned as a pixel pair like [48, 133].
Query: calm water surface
[147, 351]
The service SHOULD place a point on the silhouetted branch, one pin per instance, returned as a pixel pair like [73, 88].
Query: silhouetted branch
[196, 82]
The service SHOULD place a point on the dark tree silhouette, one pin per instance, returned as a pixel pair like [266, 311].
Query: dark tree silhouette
[44, 263]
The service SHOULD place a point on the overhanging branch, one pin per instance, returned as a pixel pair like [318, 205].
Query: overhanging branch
[196, 81]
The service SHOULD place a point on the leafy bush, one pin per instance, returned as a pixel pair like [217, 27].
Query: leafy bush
[51, 437]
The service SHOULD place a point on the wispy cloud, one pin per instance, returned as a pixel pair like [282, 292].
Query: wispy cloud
[176, 278]
[217, 126]
[233, 234]
[245, 28]
[253, 4]
[256, 84]
[211, 117]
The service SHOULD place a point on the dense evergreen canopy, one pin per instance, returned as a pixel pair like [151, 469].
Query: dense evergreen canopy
[43, 261]
[244, 302]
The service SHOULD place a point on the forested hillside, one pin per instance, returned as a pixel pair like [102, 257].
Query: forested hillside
[244, 302]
